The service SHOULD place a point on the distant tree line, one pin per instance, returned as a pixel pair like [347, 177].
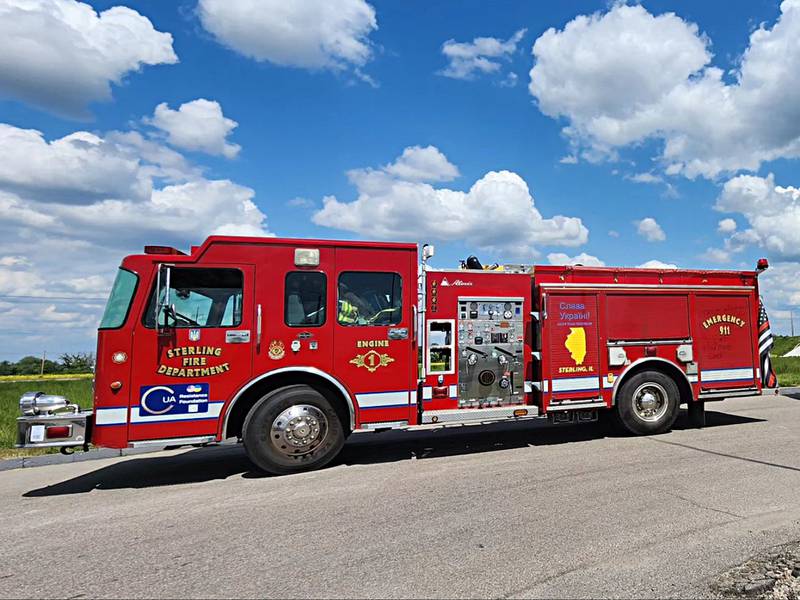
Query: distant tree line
[81, 362]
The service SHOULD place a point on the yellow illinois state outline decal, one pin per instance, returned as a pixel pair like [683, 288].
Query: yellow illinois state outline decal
[576, 344]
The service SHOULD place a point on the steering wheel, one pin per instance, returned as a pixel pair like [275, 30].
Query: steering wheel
[386, 316]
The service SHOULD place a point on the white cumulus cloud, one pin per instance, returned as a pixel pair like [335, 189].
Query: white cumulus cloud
[312, 34]
[481, 56]
[650, 230]
[716, 255]
[498, 211]
[772, 213]
[587, 260]
[657, 264]
[61, 54]
[626, 75]
[182, 214]
[198, 125]
[72, 207]
[422, 164]
[14, 261]
[77, 168]
[645, 178]
[726, 226]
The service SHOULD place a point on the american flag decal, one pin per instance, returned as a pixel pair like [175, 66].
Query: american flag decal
[765, 343]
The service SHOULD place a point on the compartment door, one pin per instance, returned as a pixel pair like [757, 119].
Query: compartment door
[725, 342]
[571, 341]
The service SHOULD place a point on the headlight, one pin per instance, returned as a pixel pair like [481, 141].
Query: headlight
[26, 403]
[37, 403]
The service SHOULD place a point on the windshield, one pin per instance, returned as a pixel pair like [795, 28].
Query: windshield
[119, 302]
[200, 298]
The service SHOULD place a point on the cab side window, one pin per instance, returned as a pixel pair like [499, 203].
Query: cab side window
[369, 298]
[200, 298]
[304, 299]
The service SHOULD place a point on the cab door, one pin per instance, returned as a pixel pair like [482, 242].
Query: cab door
[194, 354]
[293, 303]
[375, 353]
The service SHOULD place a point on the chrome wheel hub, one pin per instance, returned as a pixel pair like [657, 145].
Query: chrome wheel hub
[299, 429]
[650, 402]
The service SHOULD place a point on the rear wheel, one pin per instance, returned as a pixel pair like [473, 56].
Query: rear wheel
[648, 403]
[292, 429]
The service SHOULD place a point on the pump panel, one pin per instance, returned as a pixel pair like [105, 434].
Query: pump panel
[490, 347]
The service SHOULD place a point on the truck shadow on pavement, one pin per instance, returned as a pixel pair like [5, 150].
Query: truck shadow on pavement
[223, 461]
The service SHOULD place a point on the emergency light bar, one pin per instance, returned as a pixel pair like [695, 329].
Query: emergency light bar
[163, 250]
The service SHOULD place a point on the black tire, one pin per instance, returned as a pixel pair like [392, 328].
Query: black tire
[634, 403]
[269, 440]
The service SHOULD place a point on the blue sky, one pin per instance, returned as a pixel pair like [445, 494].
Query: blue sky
[631, 151]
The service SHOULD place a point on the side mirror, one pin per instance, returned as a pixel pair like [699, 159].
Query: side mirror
[170, 318]
[163, 306]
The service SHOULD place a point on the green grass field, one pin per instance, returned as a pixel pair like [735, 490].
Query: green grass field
[784, 343]
[787, 369]
[78, 391]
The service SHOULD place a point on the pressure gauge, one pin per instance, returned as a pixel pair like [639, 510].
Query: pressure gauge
[507, 308]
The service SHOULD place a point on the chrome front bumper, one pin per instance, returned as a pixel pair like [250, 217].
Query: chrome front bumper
[47, 431]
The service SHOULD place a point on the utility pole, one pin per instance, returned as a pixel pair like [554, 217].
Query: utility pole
[791, 320]
[44, 355]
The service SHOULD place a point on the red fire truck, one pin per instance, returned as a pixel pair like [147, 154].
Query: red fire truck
[291, 345]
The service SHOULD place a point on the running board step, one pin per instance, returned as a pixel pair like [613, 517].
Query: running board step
[479, 415]
[577, 405]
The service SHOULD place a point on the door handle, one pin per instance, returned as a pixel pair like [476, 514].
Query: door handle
[258, 328]
[398, 333]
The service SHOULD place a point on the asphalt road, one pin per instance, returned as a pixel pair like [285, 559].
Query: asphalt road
[513, 510]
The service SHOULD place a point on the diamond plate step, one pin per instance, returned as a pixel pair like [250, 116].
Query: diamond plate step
[471, 415]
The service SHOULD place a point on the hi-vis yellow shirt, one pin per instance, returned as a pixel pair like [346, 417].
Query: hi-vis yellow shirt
[348, 313]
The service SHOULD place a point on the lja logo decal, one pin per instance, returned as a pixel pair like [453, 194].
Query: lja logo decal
[156, 400]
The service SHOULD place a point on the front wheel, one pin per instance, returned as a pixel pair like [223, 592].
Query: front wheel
[648, 403]
[292, 429]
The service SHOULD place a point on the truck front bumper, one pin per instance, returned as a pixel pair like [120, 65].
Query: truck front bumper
[61, 430]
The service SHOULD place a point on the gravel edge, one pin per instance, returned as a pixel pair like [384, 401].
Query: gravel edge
[773, 574]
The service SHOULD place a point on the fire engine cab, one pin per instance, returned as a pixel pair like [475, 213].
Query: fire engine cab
[292, 345]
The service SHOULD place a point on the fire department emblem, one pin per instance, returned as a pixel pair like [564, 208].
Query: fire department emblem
[371, 360]
[276, 350]
[194, 335]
